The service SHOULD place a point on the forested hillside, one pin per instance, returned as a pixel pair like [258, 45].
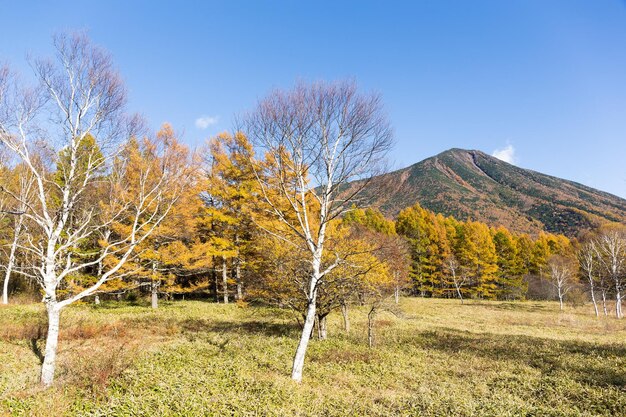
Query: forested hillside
[471, 185]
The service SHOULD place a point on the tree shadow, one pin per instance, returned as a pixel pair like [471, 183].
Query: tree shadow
[34, 340]
[601, 365]
[252, 327]
[511, 306]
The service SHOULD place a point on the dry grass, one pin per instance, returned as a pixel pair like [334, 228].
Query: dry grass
[441, 358]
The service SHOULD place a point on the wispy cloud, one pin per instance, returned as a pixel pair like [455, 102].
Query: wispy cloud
[204, 122]
[506, 154]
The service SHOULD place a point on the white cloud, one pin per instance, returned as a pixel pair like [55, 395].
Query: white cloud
[506, 154]
[204, 122]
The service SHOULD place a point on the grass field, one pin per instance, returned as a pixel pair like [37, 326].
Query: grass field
[194, 358]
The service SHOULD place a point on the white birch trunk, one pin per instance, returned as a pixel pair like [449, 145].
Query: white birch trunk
[346, 319]
[49, 362]
[154, 295]
[458, 291]
[595, 303]
[225, 280]
[239, 283]
[298, 360]
[11, 262]
[370, 327]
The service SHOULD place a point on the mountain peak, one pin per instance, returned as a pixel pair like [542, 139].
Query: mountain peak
[470, 184]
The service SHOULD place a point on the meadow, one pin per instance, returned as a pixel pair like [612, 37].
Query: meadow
[438, 358]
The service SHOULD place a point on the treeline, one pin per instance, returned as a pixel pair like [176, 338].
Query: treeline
[216, 242]
[471, 259]
[451, 258]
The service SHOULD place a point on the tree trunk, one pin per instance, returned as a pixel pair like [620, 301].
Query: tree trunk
[216, 283]
[560, 300]
[298, 360]
[618, 302]
[322, 329]
[370, 327]
[49, 362]
[154, 287]
[595, 303]
[606, 312]
[458, 291]
[396, 294]
[96, 300]
[10, 262]
[238, 279]
[5, 287]
[346, 319]
[317, 326]
[225, 280]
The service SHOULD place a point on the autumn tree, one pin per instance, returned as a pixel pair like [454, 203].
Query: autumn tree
[18, 193]
[319, 137]
[429, 247]
[390, 248]
[476, 253]
[168, 252]
[231, 191]
[76, 113]
[511, 266]
[371, 219]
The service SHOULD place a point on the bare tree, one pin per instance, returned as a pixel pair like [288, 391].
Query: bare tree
[611, 250]
[459, 277]
[317, 138]
[588, 261]
[562, 273]
[83, 189]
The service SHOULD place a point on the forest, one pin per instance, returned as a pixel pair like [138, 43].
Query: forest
[96, 211]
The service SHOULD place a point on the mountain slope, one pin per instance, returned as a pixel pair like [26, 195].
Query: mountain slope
[473, 185]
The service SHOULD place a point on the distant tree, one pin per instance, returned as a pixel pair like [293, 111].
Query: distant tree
[511, 268]
[429, 247]
[587, 258]
[476, 253]
[458, 276]
[371, 219]
[317, 138]
[563, 272]
[611, 251]
[370, 225]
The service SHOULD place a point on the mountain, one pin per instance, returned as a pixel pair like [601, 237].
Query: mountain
[469, 184]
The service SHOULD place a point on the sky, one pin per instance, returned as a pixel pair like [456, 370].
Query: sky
[541, 84]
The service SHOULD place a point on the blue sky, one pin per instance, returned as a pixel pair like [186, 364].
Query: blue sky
[545, 78]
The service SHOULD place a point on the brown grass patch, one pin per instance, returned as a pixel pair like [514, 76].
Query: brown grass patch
[93, 365]
[13, 332]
